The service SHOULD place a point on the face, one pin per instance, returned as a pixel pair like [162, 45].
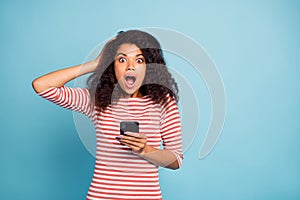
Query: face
[130, 69]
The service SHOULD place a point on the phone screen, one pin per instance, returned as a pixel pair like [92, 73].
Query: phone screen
[130, 126]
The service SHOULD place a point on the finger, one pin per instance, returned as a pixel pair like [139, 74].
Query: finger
[133, 143]
[135, 149]
[137, 135]
[141, 140]
[130, 138]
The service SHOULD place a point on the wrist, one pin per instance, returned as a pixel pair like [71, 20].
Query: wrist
[88, 67]
[93, 65]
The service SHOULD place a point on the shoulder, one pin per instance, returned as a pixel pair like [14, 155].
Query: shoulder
[169, 100]
[169, 104]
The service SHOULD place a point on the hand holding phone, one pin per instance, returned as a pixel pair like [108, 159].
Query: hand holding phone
[131, 137]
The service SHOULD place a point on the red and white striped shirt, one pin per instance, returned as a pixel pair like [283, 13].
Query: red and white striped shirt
[120, 174]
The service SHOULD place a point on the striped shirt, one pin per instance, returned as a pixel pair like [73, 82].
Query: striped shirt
[118, 173]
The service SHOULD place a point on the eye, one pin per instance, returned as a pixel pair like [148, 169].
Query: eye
[140, 60]
[122, 60]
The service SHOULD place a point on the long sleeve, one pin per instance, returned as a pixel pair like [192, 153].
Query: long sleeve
[76, 99]
[171, 129]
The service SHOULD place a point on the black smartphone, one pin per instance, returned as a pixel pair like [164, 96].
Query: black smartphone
[131, 126]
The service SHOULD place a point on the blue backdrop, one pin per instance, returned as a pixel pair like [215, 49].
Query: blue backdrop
[255, 46]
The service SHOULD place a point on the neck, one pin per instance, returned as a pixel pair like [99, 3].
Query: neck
[134, 95]
[137, 94]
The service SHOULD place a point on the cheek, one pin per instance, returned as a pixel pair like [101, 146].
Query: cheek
[142, 72]
[118, 71]
[144, 69]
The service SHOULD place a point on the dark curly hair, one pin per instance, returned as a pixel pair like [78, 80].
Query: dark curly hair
[158, 82]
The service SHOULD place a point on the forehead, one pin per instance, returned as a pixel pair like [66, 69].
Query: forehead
[129, 49]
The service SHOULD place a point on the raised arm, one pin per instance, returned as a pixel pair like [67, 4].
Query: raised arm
[61, 77]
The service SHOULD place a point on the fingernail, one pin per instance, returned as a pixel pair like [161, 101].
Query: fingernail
[118, 138]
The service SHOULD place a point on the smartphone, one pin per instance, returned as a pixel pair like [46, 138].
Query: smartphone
[130, 126]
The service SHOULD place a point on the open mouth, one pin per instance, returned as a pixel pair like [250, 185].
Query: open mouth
[130, 80]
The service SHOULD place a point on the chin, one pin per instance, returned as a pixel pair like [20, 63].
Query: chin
[128, 92]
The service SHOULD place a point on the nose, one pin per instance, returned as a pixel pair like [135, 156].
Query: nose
[130, 65]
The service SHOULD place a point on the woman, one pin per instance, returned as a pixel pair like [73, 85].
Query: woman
[129, 82]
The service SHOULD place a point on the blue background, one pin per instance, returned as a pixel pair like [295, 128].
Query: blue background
[255, 46]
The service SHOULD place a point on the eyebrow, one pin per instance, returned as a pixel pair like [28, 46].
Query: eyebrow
[123, 54]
